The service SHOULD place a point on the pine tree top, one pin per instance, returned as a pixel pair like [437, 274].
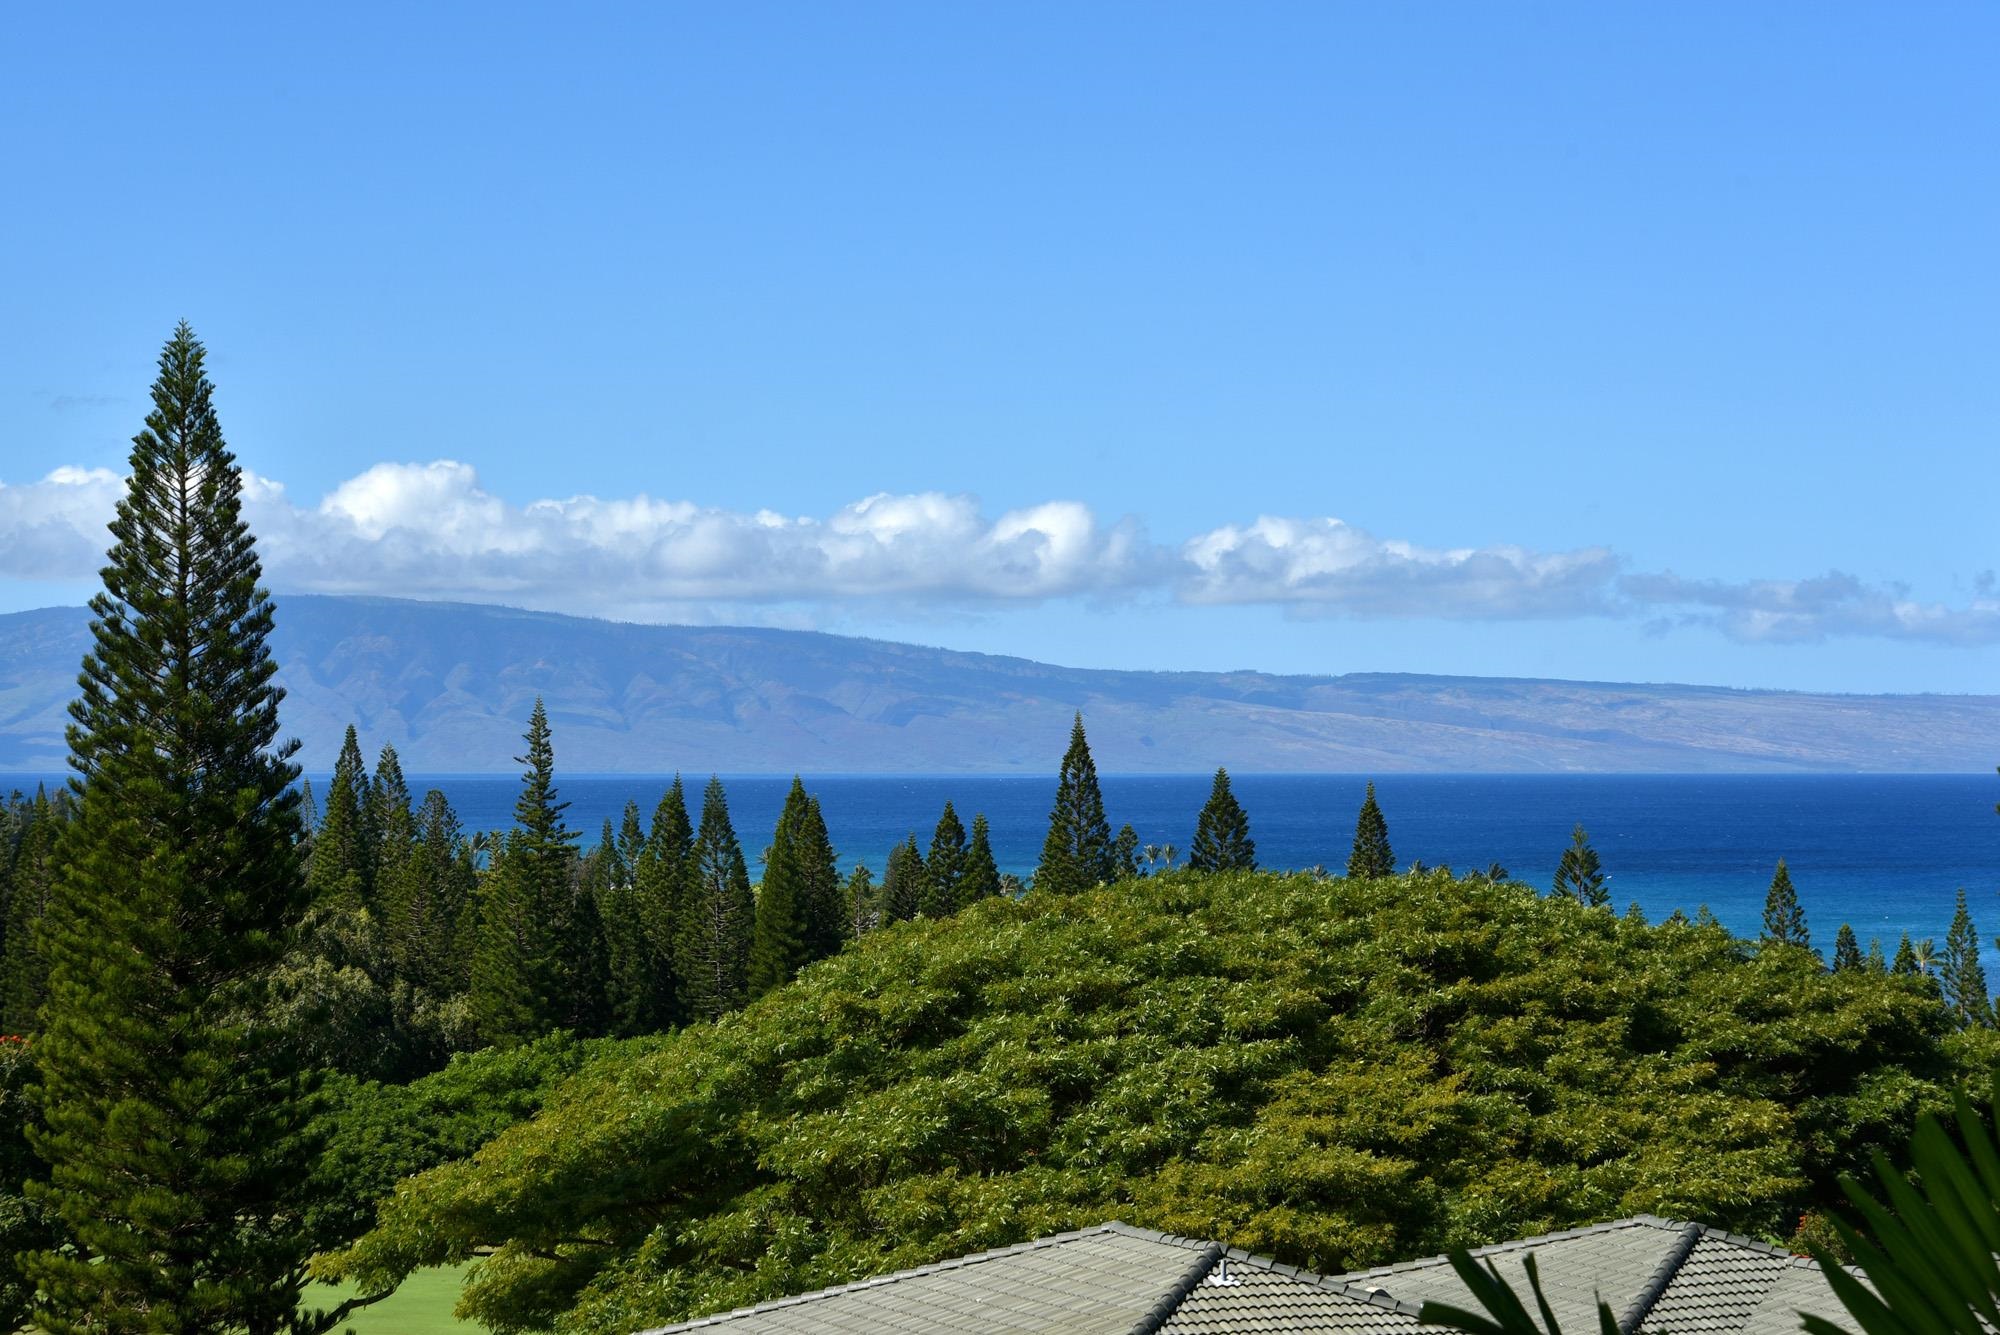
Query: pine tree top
[1784, 919]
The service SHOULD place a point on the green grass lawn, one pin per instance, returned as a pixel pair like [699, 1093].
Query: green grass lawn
[422, 1306]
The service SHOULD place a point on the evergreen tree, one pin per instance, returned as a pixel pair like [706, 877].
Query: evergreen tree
[903, 883]
[663, 879]
[343, 851]
[1077, 853]
[308, 819]
[714, 962]
[1222, 832]
[1906, 958]
[1846, 950]
[823, 898]
[32, 885]
[1371, 857]
[778, 940]
[1876, 962]
[1961, 973]
[628, 955]
[428, 900]
[538, 964]
[1125, 853]
[864, 917]
[944, 872]
[827, 904]
[1579, 875]
[631, 840]
[391, 825]
[173, 1115]
[1784, 920]
[982, 873]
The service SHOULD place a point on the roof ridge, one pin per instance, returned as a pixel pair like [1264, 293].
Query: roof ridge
[1171, 1300]
[913, 1272]
[1670, 1265]
[1152, 1234]
[1516, 1244]
[1714, 1234]
[1374, 1297]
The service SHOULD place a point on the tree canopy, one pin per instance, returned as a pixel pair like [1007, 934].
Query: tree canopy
[1337, 1072]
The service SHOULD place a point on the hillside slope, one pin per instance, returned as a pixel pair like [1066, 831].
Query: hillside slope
[452, 684]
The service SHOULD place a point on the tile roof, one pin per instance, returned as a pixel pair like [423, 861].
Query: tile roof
[1106, 1280]
[1660, 1277]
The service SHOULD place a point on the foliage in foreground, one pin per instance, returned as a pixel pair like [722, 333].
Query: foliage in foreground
[1335, 1072]
[1929, 1249]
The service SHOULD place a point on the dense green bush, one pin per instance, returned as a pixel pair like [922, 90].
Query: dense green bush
[1336, 1072]
[373, 1135]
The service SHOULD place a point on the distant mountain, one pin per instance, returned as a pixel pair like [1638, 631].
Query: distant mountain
[451, 685]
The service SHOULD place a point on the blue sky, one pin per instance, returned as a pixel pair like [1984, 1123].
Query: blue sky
[1622, 342]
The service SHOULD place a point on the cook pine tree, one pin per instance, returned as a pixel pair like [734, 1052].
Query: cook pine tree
[539, 965]
[173, 1110]
[714, 959]
[982, 873]
[1784, 920]
[944, 870]
[1960, 972]
[1222, 832]
[1077, 854]
[778, 939]
[663, 880]
[1371, 857]
[1846, 950]
[1579, 873]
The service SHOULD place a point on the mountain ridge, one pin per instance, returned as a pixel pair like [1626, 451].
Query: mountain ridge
[450, 684]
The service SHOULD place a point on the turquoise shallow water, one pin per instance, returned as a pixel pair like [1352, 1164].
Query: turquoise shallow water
[1883, 852]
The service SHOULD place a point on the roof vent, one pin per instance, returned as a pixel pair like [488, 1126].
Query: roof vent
[1220, 1276]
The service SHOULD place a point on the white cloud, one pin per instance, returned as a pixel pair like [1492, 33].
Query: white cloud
[1328, 566]
[54, 529]
[432, 531]
[1809, 610]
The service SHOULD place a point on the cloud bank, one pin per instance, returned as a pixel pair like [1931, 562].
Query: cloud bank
[432, 531]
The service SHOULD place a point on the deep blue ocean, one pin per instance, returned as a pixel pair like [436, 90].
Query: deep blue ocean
[1883, 852]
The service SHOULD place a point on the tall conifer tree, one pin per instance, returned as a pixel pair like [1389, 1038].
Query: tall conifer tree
[824, 899]
[1077, 853]
[1125, 853]
[715, 956]
[982, 873]
[26, 975]
[539, 964]
[1579, 874]
[944, 870]
[1846, 950]
[778, 942]
[1371, 856]
[902, 895]
[663, 880]
[392, 826]
[1222, 832]
[1784, 920]
[1961, 973]
[173, 1115]
[429, 901]
[343, 851]
[631, 839]
[631, 983]
[864, 913]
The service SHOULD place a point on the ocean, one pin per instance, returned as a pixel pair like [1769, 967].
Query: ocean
[1885, 853]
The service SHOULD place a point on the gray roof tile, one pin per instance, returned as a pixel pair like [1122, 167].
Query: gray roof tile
[1118, 1280]
[1100, 1281]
